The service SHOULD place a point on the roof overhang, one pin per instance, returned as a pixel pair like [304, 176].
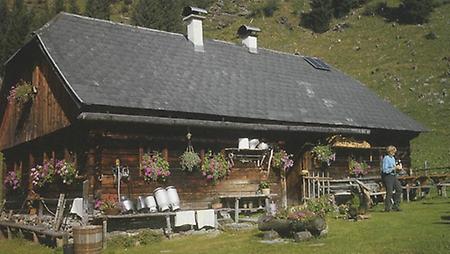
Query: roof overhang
[109, 117]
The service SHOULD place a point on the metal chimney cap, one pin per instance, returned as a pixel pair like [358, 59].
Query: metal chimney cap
[188, 10]
[245, 30]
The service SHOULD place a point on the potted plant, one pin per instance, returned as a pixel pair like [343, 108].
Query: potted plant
[214, 167]
[21, 93]
[42, 175]
[264, 187]
[189, 161]
[358, 169]
[155, 168]
[67, 171]
[12, 181]
[108, 207]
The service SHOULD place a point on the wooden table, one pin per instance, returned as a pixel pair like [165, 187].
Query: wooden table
[105, 218]
[238, 197]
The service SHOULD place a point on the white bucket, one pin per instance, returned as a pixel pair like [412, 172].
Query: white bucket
[253, 143]
[243, 143]
[174, 200]
[150, 203]
[162, 199]
[263, 146]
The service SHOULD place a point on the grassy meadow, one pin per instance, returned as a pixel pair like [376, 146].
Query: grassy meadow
[419, 228]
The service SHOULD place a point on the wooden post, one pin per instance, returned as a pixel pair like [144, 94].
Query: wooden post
[314, 185]
[169, 227]
[236, 210]
[35, 238]
[8, 230]
[105, 233]
[328, 182]
[303, 188]
[59, 212]
[40, 210]
[267, 203]
[84, 219]
[407, 192]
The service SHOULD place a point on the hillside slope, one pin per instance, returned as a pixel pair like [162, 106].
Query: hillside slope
[396, 61]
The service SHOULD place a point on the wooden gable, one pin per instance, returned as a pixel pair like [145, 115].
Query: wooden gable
[43, 115]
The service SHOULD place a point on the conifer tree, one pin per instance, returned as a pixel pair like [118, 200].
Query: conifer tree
[415, 11]
[158, 14]
[58, 6]
[321, 14]
[17, 29]
[100, 9]
[73, 7]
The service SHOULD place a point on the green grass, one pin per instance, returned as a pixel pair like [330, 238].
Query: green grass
[417, 229]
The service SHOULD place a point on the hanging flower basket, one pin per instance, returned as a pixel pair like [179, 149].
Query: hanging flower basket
[66, 171]
[22, 93]
[282, 161]
[323, 155]
[189, 160]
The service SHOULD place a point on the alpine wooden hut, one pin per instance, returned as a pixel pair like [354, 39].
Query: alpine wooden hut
[104, 91]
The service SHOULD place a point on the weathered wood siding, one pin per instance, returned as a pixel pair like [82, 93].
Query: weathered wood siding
[43, 115]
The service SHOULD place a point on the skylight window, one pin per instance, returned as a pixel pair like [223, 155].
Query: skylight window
[317, 63]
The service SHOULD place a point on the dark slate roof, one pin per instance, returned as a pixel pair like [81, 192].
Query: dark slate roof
[123, 66]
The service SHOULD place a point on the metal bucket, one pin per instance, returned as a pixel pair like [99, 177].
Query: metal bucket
[150, 203]
[162, 199]
[87, 239]
[174, 200]
[127, 205]
[253, 143]
[243, 143]
[140, 204]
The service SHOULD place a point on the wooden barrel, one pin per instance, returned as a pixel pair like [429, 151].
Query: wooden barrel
[88, 239]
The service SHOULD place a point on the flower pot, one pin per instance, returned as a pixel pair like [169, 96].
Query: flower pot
[216, 205]
[111, 211]
[265, 191]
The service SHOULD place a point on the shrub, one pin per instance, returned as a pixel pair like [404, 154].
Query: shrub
[342, 7]
[415, 11]
[267, 9]
[320, 15]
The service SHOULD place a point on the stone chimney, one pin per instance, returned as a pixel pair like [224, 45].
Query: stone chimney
[193, 18]
[249, 35]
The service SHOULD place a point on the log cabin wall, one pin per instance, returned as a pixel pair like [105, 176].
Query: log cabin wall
[63, 144]
[50, 109]
[194, 190]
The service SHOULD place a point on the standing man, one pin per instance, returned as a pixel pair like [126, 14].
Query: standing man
[390, 181]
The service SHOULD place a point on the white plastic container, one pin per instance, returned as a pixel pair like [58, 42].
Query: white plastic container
[150, 204]
[253, 143]
[243, 143]
[174, 199]
[162, 199]
[263, 146]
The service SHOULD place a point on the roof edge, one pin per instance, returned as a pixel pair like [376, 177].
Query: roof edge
[55, 65]
[108, 117]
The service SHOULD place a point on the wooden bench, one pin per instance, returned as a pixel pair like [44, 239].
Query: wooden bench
[38, 230]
